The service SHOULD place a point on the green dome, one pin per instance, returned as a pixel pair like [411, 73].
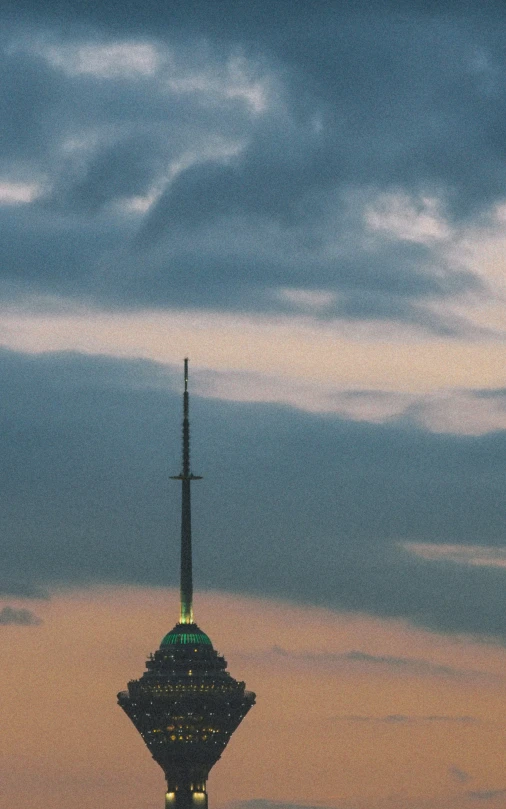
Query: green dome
[186, 635]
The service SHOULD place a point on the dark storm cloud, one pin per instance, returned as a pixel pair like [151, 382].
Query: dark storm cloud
[373, 98]
[292, 506]
[19, 617]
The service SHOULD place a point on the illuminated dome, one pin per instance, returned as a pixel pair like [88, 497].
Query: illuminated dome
[186, 635]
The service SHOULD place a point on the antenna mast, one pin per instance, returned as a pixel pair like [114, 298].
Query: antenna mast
[186, 614]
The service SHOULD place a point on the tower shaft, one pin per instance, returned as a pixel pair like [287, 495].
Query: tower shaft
[186, 614]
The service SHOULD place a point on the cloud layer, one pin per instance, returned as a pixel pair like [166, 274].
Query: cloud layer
[179, 161]
[309, 201]
[304, 507]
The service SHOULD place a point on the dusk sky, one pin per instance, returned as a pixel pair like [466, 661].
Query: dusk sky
[309, 201]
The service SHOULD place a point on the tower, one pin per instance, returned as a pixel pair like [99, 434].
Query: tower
[186, 705]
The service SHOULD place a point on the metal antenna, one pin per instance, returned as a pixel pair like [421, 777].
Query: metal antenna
[186, 615]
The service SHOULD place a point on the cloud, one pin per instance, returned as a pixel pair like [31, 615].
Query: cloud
[18, 616]
[407, 664]
[263, 803]
[306, 299]
[402, 719]
[157, 170]
[461, 776]
[126, 167]
[410, 666]
[460, 554]
[485, 794]
[395, 214]
[470, 412]
[284, 358]
[19, 586]
[18, 193]
[84, 501]
[111, 61]
[325, 371]
[346, 73]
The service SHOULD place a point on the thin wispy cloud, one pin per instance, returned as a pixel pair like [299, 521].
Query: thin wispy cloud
[485, 794]
[404, 719]
[475, 555]
[18, 616]
[402, 665]
[459, 775]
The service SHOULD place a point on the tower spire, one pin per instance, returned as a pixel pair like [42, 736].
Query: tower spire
[186, 705]
[186, 614]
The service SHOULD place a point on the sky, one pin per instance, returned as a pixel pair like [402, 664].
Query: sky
[309, 201]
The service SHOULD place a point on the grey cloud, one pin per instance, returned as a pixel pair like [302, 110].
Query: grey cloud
[485, 794]
[391, 275]
[28, 99]
[123, 169]
[263, 803]
[57, 252]
[399, 104]
[304, 508]
[52, 254]
[461, 776]
[393, 719]
[19, 617]
[402, 719]
[412, 666]
[21, 586]
[365, 305]
[364, 102]
[498, 394]
[96, 139]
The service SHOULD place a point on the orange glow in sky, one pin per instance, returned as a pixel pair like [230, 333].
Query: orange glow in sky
[350, 711]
